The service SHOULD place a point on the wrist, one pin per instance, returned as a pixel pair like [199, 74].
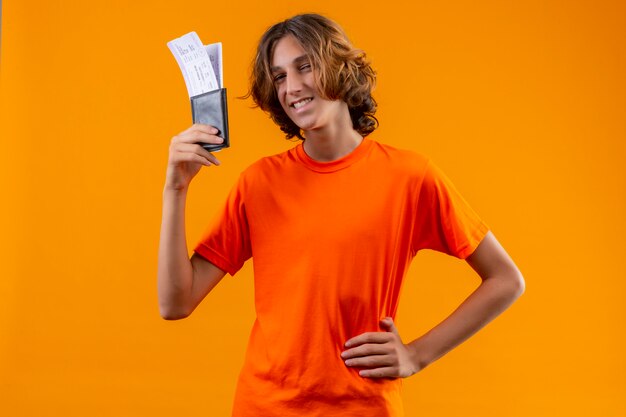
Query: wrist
[175, 190]
[421, 356]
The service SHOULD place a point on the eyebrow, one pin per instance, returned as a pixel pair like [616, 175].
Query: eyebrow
[295, 61]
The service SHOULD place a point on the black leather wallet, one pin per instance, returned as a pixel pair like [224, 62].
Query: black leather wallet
[211, 109]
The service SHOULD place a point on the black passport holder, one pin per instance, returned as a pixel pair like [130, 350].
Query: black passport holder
[211, 109]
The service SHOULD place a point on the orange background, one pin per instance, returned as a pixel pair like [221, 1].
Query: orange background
[522, 104]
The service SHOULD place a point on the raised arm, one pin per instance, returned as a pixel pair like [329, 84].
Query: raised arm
[183, 282]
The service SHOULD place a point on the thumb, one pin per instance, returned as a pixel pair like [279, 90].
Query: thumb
[388, 324]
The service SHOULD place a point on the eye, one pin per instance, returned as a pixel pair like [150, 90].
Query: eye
[305, 66]
[278, 77]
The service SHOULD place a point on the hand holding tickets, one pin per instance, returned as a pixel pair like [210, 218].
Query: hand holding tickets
[202, 70]
[187, 155]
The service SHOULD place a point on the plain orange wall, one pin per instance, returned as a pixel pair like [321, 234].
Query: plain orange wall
[522, 104]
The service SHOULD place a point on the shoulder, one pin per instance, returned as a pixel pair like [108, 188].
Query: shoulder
[267, 166]
[270, 162]
[402, 160]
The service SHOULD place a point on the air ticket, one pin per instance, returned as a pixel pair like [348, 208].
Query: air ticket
[198, 67]
[214, 51]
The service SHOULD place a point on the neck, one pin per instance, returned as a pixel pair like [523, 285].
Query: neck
[331, 142]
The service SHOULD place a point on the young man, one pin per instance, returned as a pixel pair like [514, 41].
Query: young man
[332, 225]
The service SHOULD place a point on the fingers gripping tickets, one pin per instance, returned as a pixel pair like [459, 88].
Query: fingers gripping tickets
[187, 144]
[186, 154]
[381, 354]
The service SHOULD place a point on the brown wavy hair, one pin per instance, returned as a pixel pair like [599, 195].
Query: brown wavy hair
[342, 72]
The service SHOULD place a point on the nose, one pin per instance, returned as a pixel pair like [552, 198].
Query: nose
[293, 82]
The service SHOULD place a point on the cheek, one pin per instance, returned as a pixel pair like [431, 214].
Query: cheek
[280, 95]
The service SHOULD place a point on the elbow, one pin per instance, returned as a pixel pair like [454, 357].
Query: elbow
[172, 313]
[511, 284]
[518, 284]
[173, 316]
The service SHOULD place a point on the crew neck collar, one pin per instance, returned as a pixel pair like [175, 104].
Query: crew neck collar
[345, 161]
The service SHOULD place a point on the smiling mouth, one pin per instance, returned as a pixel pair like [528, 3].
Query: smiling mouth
[301, 103]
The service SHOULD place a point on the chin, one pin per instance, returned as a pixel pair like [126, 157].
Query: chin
[306, 126]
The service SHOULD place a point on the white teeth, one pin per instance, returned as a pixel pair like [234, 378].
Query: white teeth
[301, 103]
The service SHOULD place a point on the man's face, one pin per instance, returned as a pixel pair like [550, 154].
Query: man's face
[294, 81]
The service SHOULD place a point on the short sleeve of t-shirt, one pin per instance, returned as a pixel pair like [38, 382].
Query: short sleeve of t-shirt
[226, 243]
[445, 221]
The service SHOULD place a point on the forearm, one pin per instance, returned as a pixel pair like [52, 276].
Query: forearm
[175, 272]
[490, 299]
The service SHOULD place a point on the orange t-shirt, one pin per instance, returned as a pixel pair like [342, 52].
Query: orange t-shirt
[331, 243]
